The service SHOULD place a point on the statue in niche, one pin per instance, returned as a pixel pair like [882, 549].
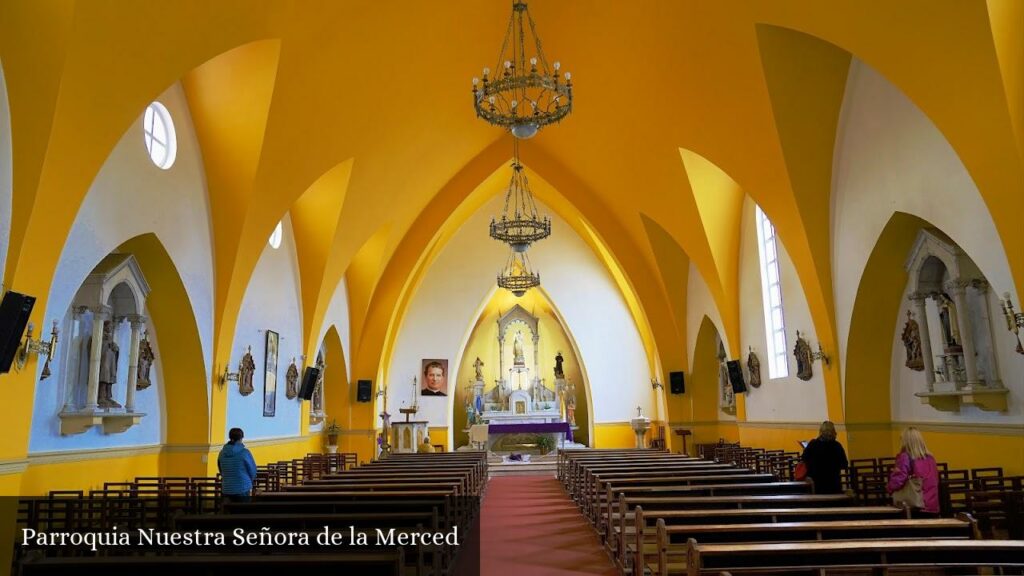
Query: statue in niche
[246, 368]
[291, 378]
[108, 368]
[948, 321]
[559, 373]
[518, 357]
[477, 366]
[754, 368]
[804, 358]
[318, 389]
[912, 341]
[728, 396]
[146, 358]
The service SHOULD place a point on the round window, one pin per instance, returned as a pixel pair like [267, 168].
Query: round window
[158, 131]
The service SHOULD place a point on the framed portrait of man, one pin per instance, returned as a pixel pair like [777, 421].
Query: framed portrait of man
[270, 375]
[433, 377]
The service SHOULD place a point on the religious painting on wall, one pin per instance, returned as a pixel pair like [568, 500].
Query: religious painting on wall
[435, 377]
[270, 375]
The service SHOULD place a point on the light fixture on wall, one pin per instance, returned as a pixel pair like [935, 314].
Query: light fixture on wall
[524, 94]
[820, 355]
[31, 346]
[520, 225]
[517, 277]
[1014, 320]
[228, 376]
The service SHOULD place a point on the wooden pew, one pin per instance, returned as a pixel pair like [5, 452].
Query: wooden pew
[880, 556]
[594, 498]
[624, 497]
[672, 542]
[642, 539]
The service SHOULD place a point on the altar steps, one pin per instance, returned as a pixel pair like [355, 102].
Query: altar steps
[499, 469]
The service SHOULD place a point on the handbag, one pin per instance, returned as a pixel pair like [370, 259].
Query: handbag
[800, 472]
[911, 493]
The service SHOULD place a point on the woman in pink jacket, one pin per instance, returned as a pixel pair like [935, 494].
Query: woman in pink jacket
[914, 460]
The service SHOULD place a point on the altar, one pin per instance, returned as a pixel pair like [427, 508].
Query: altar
[521, 409]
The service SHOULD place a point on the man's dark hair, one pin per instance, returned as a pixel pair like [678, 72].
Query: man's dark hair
[434, 364]
[235, 434]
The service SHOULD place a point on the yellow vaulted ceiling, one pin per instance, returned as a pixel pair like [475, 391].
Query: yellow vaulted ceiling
[295, 100]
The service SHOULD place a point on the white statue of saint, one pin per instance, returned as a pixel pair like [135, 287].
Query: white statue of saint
[518, 358]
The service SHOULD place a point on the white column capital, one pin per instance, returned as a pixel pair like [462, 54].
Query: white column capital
[957, 286]
[136, 320]
[101, 311]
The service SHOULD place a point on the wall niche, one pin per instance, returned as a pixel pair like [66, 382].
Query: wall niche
[106, 324]
[948, 332]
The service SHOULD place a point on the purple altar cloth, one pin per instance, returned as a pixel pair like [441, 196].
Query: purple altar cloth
[536, 428]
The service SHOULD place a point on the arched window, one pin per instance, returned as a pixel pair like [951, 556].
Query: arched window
[158, 132]
[771, 293]
[275, 237]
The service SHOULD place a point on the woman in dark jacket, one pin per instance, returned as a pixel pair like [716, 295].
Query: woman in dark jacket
[825, 459]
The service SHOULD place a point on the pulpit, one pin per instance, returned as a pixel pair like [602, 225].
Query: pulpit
[406, 437]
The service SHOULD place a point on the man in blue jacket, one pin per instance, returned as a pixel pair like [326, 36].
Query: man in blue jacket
[237, 468]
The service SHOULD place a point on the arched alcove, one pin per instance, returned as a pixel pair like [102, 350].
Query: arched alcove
[500, 317]
[909, 270]
[710, 421]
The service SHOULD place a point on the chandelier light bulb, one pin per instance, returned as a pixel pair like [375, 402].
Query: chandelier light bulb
[486, 71]
[568, 76]
[475, 81]
[491, 100]
[533, 61]
[515, 103]
[557, 65]
[508, 63]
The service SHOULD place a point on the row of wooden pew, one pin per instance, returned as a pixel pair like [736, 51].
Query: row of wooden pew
[663, 514]
[994, 499]
[414, 494]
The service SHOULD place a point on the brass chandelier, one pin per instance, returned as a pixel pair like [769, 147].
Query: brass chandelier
[520, 225]
[524, 94]
[517, 277]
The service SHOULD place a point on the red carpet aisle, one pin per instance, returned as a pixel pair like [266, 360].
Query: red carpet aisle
[530, 527]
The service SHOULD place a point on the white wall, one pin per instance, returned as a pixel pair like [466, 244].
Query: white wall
[889, 157]
[788, 399]
[337, 316]
[446, 305]
[6, 173]
[129, 197]
[272, 301]
[700, 303]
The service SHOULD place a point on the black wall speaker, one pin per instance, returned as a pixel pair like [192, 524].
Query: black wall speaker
[14, 312]
[677, 382]
[736, 376]
[364, 390]
[309, 379]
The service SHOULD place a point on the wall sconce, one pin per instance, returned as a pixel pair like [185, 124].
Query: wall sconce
[31, 346]
[227, 377]
[656, 385]
[1014, 320]
[820, 355]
